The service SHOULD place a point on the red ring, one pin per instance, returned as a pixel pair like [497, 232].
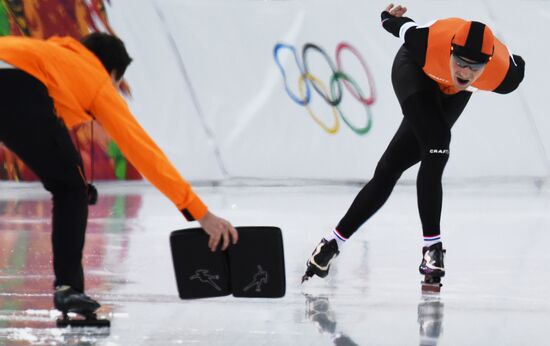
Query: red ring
[366, 101]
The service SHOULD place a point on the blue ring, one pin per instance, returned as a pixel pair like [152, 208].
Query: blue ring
[298, 100]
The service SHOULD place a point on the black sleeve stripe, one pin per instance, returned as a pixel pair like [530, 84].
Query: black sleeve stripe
[513, 77]
[416, 42]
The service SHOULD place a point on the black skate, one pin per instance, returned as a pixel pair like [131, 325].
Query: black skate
[319, 262]
[67, 300]
[432, 267]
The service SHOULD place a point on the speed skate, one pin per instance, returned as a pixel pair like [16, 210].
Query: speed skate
[67, 300]
[432, 267]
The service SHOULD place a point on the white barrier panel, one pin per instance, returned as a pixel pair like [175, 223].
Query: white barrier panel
[205, 66]
[161, 100]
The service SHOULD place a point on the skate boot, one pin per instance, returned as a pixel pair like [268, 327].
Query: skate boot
[432, 267]
[66, 299]
[319, 262]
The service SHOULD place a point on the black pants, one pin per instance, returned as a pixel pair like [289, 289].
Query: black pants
[30, 128]
[423, 136]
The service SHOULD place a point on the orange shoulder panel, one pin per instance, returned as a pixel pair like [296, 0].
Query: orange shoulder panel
[496, 69]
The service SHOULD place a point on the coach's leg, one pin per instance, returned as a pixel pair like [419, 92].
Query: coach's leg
[30, 128]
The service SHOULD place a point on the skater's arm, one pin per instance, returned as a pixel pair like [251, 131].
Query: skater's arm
[413, 37]
[514, 75]
[112, 112]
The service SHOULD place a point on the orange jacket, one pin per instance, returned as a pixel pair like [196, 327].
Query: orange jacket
[82, 90]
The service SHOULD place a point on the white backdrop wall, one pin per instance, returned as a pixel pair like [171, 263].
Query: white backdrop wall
[206, 86]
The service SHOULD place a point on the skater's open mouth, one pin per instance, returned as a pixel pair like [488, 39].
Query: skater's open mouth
[462, 81]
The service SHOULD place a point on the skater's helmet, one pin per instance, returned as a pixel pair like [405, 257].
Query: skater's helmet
[474, 41]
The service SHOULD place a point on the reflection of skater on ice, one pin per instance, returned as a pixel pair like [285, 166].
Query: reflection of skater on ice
[203, 276]
[430, 320]
[318, 311]
[259, 279]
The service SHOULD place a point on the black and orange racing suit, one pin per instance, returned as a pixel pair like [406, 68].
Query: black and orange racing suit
[431, 104]
[47, 86]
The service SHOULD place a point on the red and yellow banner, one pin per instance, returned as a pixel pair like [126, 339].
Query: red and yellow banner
[42, 19]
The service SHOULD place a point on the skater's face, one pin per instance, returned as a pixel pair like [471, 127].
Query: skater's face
[465, 71]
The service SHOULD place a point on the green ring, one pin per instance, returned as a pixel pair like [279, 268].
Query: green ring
[333, 81]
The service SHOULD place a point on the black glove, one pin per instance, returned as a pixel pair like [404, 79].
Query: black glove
[386, 15]
[92, 194]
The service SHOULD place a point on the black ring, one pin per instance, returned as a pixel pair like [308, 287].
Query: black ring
[336, 100]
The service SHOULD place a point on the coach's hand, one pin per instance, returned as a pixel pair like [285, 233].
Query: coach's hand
[218, 228]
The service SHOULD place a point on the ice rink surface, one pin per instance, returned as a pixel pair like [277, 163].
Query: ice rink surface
[496, 292]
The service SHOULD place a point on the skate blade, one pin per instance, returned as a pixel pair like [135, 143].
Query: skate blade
[431, 285]
[307, 275]
[83, 323]
[431, 288]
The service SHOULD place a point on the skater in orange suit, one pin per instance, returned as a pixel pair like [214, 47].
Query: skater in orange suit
[49, 86]
[434, 74]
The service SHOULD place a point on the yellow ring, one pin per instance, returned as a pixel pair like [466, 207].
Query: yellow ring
[301, 85]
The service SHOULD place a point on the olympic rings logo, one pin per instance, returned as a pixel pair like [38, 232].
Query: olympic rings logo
[333, 97]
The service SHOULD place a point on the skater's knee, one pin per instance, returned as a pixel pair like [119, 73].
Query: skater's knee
[434, 162]
[70, 186]
[441, 139]
[437, 153]
[387, 170]
[71, 179]
[438, 148]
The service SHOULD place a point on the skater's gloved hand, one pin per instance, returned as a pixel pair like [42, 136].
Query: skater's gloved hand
[218, 228]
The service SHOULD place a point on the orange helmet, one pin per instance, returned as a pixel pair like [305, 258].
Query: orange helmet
[474, 41]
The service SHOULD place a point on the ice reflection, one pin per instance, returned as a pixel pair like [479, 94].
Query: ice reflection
[318, 311]
[430, 319]
[26, 273]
